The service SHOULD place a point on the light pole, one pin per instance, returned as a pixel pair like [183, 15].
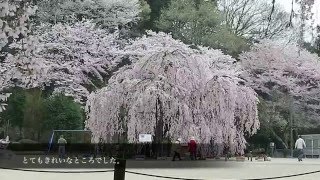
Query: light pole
[291, 126]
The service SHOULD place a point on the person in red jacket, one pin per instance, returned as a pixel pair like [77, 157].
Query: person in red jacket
[192, 145]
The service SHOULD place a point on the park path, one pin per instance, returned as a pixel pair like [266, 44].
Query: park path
[229, 170]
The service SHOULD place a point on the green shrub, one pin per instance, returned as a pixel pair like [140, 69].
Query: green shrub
[63, 113]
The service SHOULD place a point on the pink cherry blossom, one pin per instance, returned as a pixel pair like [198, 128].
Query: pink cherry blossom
[194, 92]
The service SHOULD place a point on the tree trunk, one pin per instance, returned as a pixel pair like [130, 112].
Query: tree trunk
[39, 135]
[279, 139]
[20, 132]
[159, 128]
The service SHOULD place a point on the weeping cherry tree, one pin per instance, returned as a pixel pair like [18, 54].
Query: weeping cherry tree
[172, 90]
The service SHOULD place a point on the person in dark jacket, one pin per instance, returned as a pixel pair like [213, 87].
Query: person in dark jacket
[99, 148]
[192, 145]
[177, 149]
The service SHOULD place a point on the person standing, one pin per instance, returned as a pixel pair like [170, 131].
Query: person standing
[98, 148]
[300, 145]
[7, 139]
[62, 146]
[192, 145]
[101, 147]
[177, 149]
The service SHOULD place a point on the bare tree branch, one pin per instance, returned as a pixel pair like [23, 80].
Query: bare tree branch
[253, 19]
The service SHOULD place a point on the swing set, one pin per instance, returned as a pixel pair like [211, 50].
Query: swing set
[73, 136]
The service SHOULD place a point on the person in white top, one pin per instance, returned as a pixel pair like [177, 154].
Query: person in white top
[4, 143]
[300, 145]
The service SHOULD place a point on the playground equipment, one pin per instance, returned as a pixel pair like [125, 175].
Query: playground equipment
[72, 136]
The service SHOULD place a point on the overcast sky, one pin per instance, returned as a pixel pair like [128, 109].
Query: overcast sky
[316, 8]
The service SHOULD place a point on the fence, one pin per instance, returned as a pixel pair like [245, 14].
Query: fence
[308, 152]
[120, 171]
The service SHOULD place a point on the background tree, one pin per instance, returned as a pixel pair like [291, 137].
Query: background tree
[156, 6]
[75, 58]
[252, 18]
[61, 112]
[304, 14]
[81, 53]
[14, 112]
[34, 113]
[272, 67]
[145, 16]
[14, 15]
[314, 46]
[49, 11]
[30, 67]
[274, 119]
[108, 14]
[199, 23]
[31, 113]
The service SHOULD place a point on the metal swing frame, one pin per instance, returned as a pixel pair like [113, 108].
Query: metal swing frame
[53, 132]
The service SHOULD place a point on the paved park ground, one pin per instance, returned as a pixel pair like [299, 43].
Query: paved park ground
[220, 170]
